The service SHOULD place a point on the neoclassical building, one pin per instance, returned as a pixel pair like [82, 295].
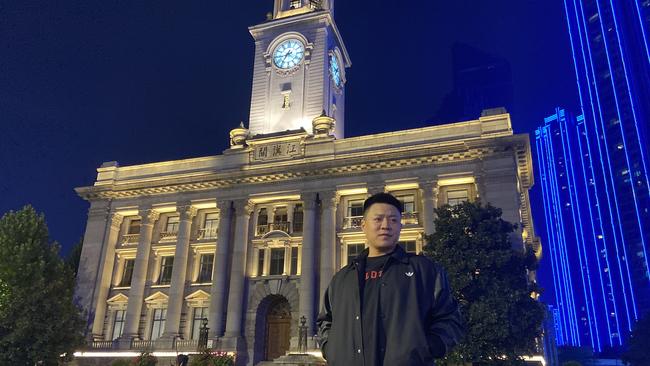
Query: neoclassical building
[248, 240]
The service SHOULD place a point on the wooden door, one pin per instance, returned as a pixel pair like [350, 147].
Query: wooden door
[278, 334]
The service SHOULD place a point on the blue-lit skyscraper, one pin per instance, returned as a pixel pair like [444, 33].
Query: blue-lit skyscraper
[612, 61]
[594, 174]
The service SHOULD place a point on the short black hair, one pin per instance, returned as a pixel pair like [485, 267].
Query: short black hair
[382, 197]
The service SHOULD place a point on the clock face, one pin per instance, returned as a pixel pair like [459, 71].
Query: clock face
[288, 54]
[335, 70]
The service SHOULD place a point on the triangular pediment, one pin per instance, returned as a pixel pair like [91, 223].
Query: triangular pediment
[156, 298]
[118, 299]
[198, 295]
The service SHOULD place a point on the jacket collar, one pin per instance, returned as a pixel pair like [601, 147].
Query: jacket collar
[398, 254]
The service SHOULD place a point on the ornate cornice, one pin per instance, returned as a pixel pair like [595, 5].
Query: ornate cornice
[315, 171]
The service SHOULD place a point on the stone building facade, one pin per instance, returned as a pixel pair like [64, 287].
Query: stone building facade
[249, 239]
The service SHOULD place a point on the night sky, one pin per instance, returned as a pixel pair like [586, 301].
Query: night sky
[84, 82]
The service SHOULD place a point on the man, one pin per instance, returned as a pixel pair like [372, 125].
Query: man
[387, 307]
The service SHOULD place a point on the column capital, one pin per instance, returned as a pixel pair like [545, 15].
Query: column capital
[308, 200]
[224, 205]
[186, 211]
[244, 207]
[148, 216]
[428, 187]
[330, 199]
[116, 220]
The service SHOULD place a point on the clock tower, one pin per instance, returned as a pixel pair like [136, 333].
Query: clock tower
[299, 68]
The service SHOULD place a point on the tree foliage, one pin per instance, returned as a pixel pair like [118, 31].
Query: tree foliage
[489, 278]
[73, 258]
[638, 352]
[38, 319]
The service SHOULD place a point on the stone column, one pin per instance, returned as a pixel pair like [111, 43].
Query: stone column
[479, 181]
[243, 209]
[219, 272]
[179, 271]
[376, 188]
[91, 259]
[429, 194]
[329, 202]
[104, 276]
[307, 284]
[139, 279]
[287, 258]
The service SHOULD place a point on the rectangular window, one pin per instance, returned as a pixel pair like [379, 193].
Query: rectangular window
[127, 274]
[457, 196]
[354, 250]
[172, 224]
[277, 261]
[409, 246]
[134, 227]
[294, 4]
[294, 261]
[297, 218]
[158, 323]
[210, 226]
[260, 262]
[118, 323]
[205, 268]
[166, 265]
[355, 208]
[197, 321]
[408, 203]
[280, 215]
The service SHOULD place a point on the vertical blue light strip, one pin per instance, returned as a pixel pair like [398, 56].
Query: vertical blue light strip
[633, 107]
[579, 234]
[611, 178]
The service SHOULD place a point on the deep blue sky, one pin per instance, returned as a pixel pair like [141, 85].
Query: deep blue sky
[83, 82]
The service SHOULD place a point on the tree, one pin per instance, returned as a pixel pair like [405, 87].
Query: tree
[38, 319]
[638, 352]
[73, 258]
[489, 279]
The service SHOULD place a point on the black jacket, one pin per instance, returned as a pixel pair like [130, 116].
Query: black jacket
[421, 321]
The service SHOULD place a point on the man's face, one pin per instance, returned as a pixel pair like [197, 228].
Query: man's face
[381, 225]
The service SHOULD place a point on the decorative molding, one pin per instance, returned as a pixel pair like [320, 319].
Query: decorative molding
[148, 216]
[186, 211]
[244, 207]
[308, 201]
[116, 221]
[330, 199]
[224, 206]
[315, 172]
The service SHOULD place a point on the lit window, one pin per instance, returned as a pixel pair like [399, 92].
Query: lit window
[297, 218]
[354, 250]
[409, 246]
[277, 261]
[134, 227]
[118, 323]
[166, 265]
[127, 274]
[457, 196]
[172, 224]
[294, 4]
[210, 226]
[197, 321]
[158, 323]
[205, 268]
[355, 214]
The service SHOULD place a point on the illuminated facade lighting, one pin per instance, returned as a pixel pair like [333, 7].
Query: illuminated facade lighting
[595, 293]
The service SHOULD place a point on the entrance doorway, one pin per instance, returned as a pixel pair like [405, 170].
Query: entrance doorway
[278, 329]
